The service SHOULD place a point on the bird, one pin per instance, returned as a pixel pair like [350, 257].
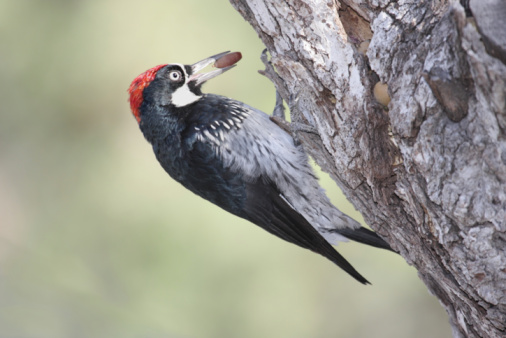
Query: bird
[234, 156]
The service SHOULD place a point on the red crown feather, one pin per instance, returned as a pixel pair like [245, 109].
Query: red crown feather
[137, 87]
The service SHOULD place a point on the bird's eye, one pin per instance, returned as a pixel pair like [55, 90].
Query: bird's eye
[175, 75]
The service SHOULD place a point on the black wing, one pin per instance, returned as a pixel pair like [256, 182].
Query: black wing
[266, 207]
[258, 200]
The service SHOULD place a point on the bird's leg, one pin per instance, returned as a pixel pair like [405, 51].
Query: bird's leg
[295, 111]
[278, 115]
[279, 109]
[292, 128]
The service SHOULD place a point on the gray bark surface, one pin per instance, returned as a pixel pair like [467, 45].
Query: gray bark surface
[428, 169]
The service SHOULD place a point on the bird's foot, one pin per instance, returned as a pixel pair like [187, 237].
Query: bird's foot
[269, 70]
[278, 115]
[279, 109]
[292, 128]
[304, 128]
[270, 73]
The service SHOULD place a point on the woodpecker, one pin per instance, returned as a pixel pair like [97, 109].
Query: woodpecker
[234, 156]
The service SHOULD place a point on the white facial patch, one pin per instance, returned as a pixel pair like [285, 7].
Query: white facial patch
[183, 96]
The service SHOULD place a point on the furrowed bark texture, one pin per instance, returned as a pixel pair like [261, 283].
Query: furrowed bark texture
[428, 170]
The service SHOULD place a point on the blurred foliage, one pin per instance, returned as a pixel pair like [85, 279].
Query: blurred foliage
[97, 241]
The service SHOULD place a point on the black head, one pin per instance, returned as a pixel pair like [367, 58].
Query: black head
[173, 85]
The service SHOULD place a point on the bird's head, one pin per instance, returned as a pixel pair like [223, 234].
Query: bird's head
[172, 85]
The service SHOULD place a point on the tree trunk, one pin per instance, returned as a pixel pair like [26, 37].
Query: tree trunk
[427, 169]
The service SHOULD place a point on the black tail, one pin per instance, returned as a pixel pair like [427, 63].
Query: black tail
[284, 216]
[266, 207]
[365, 236]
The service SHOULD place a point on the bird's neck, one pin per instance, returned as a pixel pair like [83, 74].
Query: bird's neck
[164, 123]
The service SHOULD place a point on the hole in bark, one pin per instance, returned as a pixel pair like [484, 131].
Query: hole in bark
[357, 28]
[479, 276]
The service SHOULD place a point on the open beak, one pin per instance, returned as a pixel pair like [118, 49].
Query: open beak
[199, 79]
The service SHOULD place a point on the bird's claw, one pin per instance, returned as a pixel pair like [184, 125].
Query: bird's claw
[292, 128]
[278, 115]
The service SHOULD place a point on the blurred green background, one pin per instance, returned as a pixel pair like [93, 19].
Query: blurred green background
[97, 241]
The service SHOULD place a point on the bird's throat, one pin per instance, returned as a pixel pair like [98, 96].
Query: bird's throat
[183, 96]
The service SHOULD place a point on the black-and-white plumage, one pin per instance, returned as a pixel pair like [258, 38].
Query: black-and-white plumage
[234, 156]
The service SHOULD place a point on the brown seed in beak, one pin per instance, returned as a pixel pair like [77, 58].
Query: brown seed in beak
[228, 60]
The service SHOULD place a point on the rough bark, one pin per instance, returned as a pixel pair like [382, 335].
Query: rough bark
[428, 169]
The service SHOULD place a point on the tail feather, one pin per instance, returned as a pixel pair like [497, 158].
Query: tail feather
[267, 208]
[365, 236]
